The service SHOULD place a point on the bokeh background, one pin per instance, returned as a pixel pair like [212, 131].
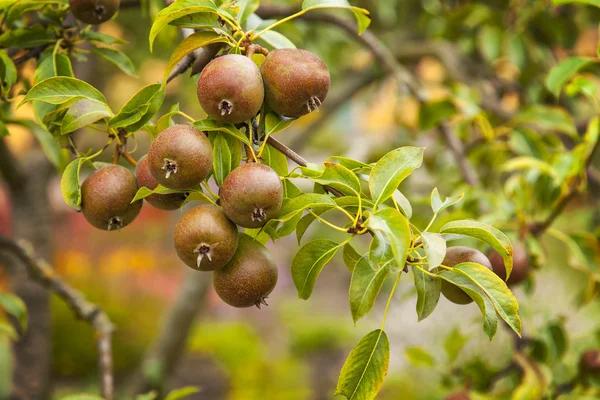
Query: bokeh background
[294, 349]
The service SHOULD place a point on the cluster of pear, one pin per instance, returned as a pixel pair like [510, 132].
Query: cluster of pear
[231, 89]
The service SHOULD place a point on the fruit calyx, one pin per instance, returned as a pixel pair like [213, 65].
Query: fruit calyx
[259, 215]
[99, 10]
[262, 301]
[204, 250]
[313, 104]
[170, 166]
[114, 223]
[226, 107]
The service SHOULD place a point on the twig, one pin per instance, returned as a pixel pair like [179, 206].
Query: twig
[456, 148]
[40, 271]
[10, 168]
[298, 159]
[537, 229]
[36, 51]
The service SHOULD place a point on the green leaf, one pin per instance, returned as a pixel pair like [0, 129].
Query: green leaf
[339, 177]
[365, 286]
[189, 44]
[144, 192]
[434, 245]
[349, 163]
[177, 10]
[182, 393]
[61, 89]
[564, 71]
[365, 368]
[351, 256]
[391, 170]
[419, 357]
[208, 125]
[69, 184]
[275, 40]
[454, 343]
[438, 205]
[546, 118]
[428, 293]
[221, 159]
[489, 40]
[392, 237]
[8, 71]
[3, 130]
[49, 146]
[26, 38]
[531, 385]
[309, 262]
[118, 58]
[140, 108]
[490, 319]
[247, 7]
[50, 65]
[403, 203]
[8, 330]
[487, 233]
[275, 160]
[589, 2]
[93, 36]
[295, 205]
[494, 288]
[527, 163]
[275, 123]
[362, 16]
[13, 305]
[83, 113]
[432, 113]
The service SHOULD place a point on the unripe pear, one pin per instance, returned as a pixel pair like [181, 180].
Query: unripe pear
[94, 11]
[456, 255]
[230, 89]
[106, 197]
[249, 277]
[251, 195]
[296, 81]
[205, 239]
[521, 265]
[180, 157]
[172, 201]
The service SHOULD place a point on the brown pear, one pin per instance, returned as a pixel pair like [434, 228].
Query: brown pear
[172, 201]
[521, 265]
[205, 239]
[180, 157]
[106, 197]
[456, 255]
[94, 11]
[249, 277]
[296, 81]
[230, 89]
[251, 195]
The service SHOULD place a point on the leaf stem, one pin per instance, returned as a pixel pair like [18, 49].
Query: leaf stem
[347, 214]
[209, 190]
[423, 270]
[323, 220]
[276, 24]
[430, 222]
[389, 301]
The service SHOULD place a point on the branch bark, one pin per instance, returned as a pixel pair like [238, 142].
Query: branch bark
[40, 271]
[160, 362]
[457, 149]
[10, 168]
[33, 53]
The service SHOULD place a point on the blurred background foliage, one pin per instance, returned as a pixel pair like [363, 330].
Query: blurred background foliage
[465, 54]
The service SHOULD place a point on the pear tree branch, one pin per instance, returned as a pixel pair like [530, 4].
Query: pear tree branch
[41, 272]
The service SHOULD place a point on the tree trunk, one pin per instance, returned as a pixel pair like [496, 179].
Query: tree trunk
[32, 222]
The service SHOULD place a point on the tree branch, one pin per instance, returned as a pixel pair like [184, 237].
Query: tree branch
[537, 229]
[33, 53]
[456, 148]
[10, 168]
[40, 271]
